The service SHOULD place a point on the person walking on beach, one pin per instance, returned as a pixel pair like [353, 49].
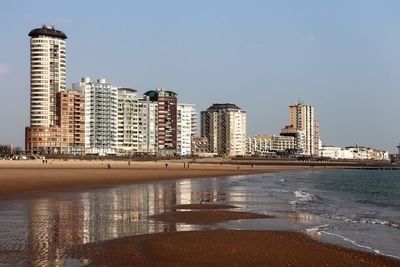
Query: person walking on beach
[166, 165]
[129, 163]
[109, 165]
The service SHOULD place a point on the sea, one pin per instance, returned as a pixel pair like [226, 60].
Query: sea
[358, 209]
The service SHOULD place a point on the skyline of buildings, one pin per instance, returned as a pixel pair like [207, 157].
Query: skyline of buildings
[98, 118]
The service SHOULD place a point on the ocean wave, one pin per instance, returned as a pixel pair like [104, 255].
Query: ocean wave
[346, 239]
[362, 220]
[303, 196]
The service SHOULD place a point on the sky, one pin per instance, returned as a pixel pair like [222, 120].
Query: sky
[342, 57]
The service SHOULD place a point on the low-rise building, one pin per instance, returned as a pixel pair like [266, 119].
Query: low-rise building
[263, 145]
[200, 146]
[353, 153]
[43, 140]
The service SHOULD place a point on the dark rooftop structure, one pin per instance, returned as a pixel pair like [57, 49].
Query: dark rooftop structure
[127, 89]
[47, 31]
[223, 106]
[155, 94]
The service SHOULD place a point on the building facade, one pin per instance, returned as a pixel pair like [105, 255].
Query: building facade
[186, 128]
[47, 79]
[101, 116]
[128, 122]
[265, 145]
[298, 136]
[200, 146]
[302, 118]
[147, 126]
[48, 72]
[166, 120]
[71, 113]
[225, 127]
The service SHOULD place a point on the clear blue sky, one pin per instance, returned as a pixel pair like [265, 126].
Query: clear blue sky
[343, 57]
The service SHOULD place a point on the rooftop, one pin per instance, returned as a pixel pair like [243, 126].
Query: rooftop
[47, 31]
[223, 106]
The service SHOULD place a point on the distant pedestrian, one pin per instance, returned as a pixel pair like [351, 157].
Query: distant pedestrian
[166, 165]
[43, 161]
[184, 165]
[252, 165]
[129, 163]
[220, 163]
[109, 165]
[188, 165]
[238, 167]
[46, 161]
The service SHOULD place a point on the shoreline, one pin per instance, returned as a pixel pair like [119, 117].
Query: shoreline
[21, 178]
[29, 178]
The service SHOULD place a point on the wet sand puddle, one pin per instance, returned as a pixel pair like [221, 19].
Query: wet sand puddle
[39, 231]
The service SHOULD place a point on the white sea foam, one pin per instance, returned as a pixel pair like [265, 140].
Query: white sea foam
[303, 196]
[363, 220]
[359, 245]
[281, 191]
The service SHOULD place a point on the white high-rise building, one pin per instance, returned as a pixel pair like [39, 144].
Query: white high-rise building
[225, 127]
[48, 68]
[128, 121]
[302, 118]
[101, 116]
[148, 111]
[186, 128]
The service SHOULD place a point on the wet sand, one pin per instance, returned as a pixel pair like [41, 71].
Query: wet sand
[224, 248]
[205, 216]
[18, 178]
[204, 206]
[197, 248]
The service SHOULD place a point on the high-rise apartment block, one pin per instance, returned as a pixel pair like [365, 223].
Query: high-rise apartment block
[101, 116]
[48, 70]
[71, 113]
[166, 120]
[128, 122]
[186, 128]
[302, 118]
[148, 112]
[225, 127]
[47, 79]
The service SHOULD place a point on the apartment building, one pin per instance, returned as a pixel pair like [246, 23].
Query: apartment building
[128, 122]
[101, 116]
[186, 128]
[71, 113]
[147, 123]
[225, 127]
[166, 120]
[302, 118]
[47, 79]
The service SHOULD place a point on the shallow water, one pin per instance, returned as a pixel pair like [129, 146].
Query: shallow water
[358, 209]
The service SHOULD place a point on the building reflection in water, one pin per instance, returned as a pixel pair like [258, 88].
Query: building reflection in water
[48, 226]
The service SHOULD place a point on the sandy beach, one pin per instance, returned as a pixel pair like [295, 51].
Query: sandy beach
[22, 177]
[192, 248]
[224, 248]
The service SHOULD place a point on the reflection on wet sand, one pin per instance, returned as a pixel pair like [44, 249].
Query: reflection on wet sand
[38, 231]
